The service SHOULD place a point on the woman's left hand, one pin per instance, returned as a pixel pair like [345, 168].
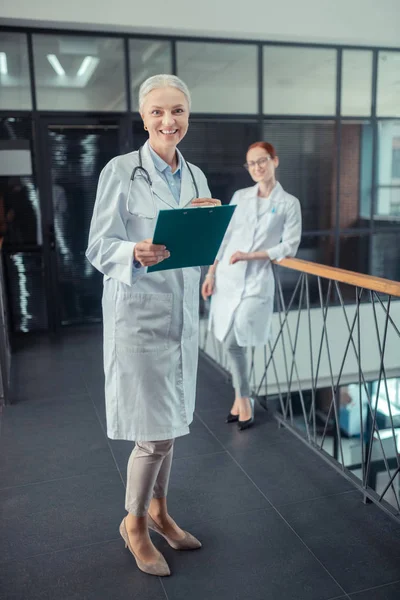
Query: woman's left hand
[238, 256]
[205, 202]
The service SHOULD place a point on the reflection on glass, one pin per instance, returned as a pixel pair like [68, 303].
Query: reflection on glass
[317, 248]
[354, 252]
[15, 91]
[306, 153]
[222, 78]
[20, 222]
[355, 175]
[388, 100]
[299, 81]
[147, 58]
[356, 83]
[77, 157]
[354, 256]
[366, 168]
[20, 228]
[79, 73]
[18, 217]
[388, 173]
[26, 291]
[60, 218]
[385, 256]
[140, 136]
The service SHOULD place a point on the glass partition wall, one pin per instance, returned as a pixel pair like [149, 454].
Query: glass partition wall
[70, 100]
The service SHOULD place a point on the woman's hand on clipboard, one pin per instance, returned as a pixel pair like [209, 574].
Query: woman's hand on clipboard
[199, 202]
[148, 254]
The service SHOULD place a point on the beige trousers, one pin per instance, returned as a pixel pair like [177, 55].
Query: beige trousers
[149, 467]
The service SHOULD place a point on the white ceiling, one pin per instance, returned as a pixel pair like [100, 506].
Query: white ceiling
[354, 22]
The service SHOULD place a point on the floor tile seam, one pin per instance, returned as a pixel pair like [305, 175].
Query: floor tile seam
[91, 382]
[231, 515]
[270, 443]
[44, 397]
[42, 369]
[41, 482]
[232, 425]
[284, 520]
[294, 503]
[89, 398]
[375, 587]
[49, 553]
[235, 461]
[163, 587]
[325, 568]
[199, 455]
[277, 443]
[43, 350]
[210, 410]
[39, 362]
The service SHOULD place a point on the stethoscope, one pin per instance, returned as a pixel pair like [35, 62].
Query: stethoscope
[145, 174]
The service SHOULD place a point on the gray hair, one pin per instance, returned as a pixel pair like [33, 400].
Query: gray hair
[158, 81]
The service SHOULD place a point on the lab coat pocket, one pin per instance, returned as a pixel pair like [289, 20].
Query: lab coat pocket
[143, 322]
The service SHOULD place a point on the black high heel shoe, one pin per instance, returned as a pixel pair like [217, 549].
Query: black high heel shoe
[246, 424]
[232, 418]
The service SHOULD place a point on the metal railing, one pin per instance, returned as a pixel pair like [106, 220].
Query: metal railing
[334, 354]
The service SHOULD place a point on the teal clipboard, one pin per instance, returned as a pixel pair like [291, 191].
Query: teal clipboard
[192, 235]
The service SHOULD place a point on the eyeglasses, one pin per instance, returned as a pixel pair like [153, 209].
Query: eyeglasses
[260, 162]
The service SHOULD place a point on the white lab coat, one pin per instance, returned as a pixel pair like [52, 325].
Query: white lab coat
[244, 292]
[151, 319]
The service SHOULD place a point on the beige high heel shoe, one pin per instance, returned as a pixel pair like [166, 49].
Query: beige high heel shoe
[159, 568]
[189, 542]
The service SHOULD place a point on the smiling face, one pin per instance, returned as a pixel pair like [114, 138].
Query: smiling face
[165, 113]
[260, 165]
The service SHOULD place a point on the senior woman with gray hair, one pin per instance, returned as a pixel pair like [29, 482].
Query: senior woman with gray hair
[150, 319]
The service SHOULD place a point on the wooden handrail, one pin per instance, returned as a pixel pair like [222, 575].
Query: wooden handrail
[368, 282]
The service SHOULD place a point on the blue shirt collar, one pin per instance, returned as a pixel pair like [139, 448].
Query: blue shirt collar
[160, 164]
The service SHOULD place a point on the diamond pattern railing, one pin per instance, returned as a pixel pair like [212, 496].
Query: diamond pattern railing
[370, 313]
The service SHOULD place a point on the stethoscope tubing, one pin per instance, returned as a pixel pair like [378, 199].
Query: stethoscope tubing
[146, 176]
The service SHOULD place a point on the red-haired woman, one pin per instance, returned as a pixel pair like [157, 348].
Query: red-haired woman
[266, 226]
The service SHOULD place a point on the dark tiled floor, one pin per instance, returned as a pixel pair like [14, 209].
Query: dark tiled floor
[276, 523]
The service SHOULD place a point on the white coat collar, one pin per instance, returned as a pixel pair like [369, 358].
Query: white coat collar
[159, 185]
[275, 196]
[251, 196]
